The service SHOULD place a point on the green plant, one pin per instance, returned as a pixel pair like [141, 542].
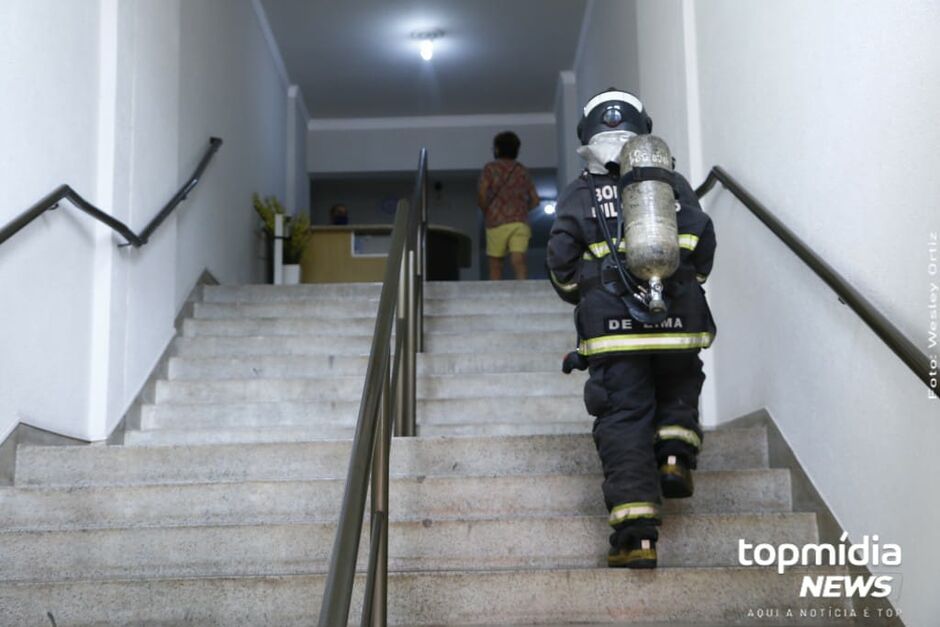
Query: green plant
[267, 209]
[296, 228]
[298, 234]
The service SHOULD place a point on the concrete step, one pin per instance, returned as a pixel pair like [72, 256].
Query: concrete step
[465, 386]
[428, 545]
[351, 325]
[237, 435]
[488, 289]
[511, 496]
[523, 411]
[433, 290]
[309, 366]
[367, 306]
[248, 435]
[724, 449]
[506, 428]
[332, 344]
[594, 595]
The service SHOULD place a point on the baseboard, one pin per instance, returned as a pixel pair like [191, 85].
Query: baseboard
[806, 498]
[25, 434]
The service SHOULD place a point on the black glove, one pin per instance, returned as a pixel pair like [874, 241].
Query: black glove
[574, 361]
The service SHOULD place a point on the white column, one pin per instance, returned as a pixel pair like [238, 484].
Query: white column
[278, 249]
[99, 380]
[708, 404]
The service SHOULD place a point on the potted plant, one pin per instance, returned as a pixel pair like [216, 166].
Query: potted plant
[296, 234]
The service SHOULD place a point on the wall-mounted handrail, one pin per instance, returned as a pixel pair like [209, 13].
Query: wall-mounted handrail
[65, 192]
[388, 398]
[913, 357]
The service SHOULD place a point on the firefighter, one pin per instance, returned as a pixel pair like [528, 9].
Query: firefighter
[645, 375]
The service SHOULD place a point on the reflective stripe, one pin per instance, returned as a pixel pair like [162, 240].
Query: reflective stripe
[564, 287]
[612, 96]
[601, 249]
[701, 278]
[688, 241]
[674, 432]
[632, 511]
[643, 342]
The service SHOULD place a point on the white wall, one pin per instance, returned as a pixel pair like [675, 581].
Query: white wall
[121, 106]
[826, 112]
[567, 115]
[46, 269]
[453, 142]
[231, 87]
[660, 52]
[607, 50]
[134, 292]
[298, 182]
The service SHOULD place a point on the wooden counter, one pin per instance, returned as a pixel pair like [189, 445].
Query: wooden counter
[356, 253]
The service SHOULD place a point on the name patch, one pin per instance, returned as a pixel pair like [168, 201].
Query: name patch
[620, 324]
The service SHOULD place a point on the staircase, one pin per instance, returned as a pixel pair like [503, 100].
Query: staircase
[221, 508]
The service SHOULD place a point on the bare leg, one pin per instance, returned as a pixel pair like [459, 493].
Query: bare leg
[518, 264]
[496, 268]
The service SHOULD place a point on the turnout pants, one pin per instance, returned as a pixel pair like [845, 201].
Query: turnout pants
[645, 408]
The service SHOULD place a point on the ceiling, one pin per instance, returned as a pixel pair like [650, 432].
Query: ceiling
[357, 59]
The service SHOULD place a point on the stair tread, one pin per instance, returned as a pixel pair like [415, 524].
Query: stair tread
[534, 596]
[41, 507]
[327, 365]
[128, 465]
[349, 387]
[415, 545]
[343, 411]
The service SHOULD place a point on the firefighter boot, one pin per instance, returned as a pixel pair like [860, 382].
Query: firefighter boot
[633, 547]
[675, 477]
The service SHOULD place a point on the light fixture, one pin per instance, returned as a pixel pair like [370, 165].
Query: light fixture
[549, 208]
[425, 41]
[427, 49]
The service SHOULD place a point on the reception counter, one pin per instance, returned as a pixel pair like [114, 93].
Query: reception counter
[357, 253]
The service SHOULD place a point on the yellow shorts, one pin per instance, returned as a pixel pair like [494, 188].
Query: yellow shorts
[513, 236]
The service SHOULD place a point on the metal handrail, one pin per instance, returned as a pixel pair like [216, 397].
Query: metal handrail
[913, 357]
[388, 397]
[65, 192]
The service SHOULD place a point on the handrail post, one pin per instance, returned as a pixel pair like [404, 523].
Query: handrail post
[400, 331]
[410, 345]
[375, 607]
[338, 587]
[369, 458]
[422, 261]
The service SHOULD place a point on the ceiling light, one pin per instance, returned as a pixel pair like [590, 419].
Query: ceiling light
[427, 49]
[549, 208]
[425, 41]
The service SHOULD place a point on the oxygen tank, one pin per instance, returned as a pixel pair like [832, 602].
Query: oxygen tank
[649, 213]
